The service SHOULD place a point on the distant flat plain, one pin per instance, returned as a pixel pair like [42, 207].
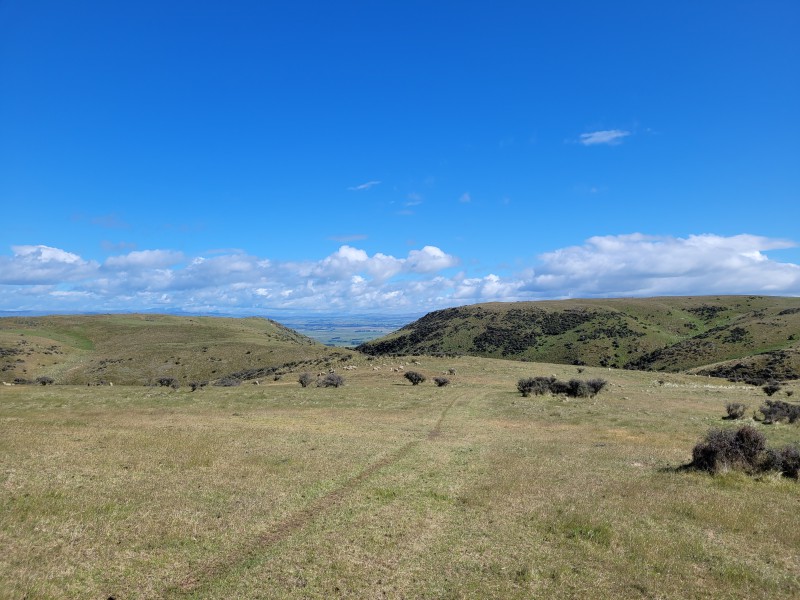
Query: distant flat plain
[346, 330]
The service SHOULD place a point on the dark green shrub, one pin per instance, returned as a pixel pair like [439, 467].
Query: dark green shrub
[596, 385]
[414, 377]
[228, 382]
[560, 387]
[784, 460]
[723, 449]
[535, 385]
[578, 388]
[735, 410]
[575, 388]
[169, 382]
[45, 380]
[305, 379]
[331, 380]
[771, 387]
[196, 385]
[441, 381]
[775, 411]
[525, 386]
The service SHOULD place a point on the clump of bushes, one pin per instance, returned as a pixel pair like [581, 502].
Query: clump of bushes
[535, 385]
[775, 411]
[724, 449]
[228, 381]
[331, 380]
[743, 449]
[574, 388]
[441, 381]
[305, 379]
[414, 377]
[43, 380]
[196, 385]
[785, 460]
[735, 410]
[169, 382]
[771, 387]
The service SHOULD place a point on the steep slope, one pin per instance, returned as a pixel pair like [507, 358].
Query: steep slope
[139, 349]
[663, 334]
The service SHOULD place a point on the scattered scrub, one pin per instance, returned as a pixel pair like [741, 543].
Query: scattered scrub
[771, 387]
[228, 382]
[45, 380]
[196, 385]
[305, 379]
[414, 377]
[441, 381]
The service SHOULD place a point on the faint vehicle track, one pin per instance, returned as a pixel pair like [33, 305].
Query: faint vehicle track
[285, 528]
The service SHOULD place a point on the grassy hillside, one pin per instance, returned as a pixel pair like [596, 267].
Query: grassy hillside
[139, 349]
[663, 334]
[383, 490]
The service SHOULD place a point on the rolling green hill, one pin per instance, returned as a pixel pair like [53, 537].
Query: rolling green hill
[139, 349]
[746, 337]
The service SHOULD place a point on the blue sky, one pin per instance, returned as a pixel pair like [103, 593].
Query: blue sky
[265, 157]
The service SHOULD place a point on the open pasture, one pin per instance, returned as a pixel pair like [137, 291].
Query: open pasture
[383, 489]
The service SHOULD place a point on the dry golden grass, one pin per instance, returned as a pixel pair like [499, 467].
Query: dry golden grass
[382, 489]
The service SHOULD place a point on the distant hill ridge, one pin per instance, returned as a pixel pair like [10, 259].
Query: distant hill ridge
[138, 349]
[752, 338]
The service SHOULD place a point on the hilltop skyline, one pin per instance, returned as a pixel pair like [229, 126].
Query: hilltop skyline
[254, 158]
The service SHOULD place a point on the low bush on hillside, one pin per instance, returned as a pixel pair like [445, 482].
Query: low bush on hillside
[724, 449]
[305, 379]
[784, 460]
[535, 385]
[574, 388]
[596, 385]
[735, 410]
[196, 385]
[228, 382]
[441, 381]
[169, 382]
[744, 449]
[776, 411]
[45, 380]
[771, 388]
[414, 377]
[331, 380]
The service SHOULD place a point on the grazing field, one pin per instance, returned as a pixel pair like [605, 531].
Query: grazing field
[384, 489]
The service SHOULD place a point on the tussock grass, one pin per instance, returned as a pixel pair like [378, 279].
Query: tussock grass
[379, 488]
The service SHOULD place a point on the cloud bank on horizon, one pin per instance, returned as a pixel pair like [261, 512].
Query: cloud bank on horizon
[45, 279]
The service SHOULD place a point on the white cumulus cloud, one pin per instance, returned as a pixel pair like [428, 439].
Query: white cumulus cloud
[41, 264]
[350, 279]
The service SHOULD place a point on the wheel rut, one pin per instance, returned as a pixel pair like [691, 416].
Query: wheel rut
[285, 528]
